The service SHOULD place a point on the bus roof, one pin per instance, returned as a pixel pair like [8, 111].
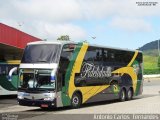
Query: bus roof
[115, 48]
[51, 42]
[72, 42]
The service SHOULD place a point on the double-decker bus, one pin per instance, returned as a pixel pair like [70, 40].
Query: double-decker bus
[57, 74]
[9, 83]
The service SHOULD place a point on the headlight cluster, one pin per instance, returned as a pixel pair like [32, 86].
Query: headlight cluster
[48, 98]
[20, 95]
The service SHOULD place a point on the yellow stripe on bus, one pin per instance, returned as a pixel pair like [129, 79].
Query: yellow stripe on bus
[134, 57]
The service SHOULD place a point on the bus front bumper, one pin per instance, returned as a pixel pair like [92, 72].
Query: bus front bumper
[38, 103]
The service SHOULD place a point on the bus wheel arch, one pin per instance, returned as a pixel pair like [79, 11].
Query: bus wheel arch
[76, 99]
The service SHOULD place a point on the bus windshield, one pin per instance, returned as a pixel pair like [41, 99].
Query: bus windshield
[41, 53]
[37, 79]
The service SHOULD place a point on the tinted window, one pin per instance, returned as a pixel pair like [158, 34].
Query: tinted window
[65, 58]
[91, 54]
[139, 66]
[96, 54]
[104, 54]
[93, 71]
[5, 68]
[119, 57]
[45, 53]
[98, 65]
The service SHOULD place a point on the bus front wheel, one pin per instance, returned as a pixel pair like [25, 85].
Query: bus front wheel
[76, 100]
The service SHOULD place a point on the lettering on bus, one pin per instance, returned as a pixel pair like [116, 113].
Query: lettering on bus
[89, 70]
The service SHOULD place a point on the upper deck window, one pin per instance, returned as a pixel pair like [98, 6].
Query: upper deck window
[41, 53]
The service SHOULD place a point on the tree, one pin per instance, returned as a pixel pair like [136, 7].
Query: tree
[64, 38]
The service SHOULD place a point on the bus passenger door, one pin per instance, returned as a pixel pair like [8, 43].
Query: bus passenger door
[65, 59]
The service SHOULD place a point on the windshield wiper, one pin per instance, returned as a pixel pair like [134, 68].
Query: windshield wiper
[42, 60]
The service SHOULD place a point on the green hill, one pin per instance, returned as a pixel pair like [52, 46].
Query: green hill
[150, 46]
[152, 52]
[150, 58]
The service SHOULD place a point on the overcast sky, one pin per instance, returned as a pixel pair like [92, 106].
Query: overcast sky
[117, 23]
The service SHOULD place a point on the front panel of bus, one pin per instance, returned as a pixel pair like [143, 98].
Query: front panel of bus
[37, 74]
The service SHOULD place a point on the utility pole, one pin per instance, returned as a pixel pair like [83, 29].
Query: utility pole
[158, 55]
[158, 48]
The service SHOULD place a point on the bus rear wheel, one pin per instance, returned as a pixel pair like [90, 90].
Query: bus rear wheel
[129, 94]
[122, 95]
[76, 100]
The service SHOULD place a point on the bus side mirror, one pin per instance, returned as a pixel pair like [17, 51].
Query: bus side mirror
[11, 72]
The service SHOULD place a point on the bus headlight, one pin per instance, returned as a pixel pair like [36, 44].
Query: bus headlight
[20, 96]
[48, 98]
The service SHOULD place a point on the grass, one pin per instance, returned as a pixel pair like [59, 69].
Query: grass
[150, 63]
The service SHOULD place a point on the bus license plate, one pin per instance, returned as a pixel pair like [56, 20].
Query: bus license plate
[44, 105]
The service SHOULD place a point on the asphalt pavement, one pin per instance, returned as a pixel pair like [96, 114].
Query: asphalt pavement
[148, 103]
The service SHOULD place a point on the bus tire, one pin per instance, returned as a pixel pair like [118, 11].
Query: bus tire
[129, 94]
[76, 100]
[122, 95]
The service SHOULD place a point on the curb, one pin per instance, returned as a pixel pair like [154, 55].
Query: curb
[152, 76]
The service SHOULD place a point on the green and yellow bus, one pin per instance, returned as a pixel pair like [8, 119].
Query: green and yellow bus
[8, 83]
[57, 74]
